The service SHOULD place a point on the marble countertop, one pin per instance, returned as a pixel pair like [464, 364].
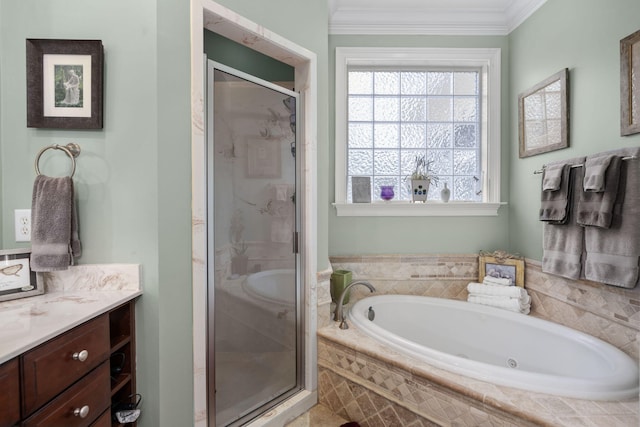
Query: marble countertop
[72, 297]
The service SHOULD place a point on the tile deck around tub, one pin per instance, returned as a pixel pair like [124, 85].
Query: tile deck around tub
[442, 397]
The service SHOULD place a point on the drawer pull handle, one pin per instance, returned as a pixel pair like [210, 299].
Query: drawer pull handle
[81, 412]
[81, 356]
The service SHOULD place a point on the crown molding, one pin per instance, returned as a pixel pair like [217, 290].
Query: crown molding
[429, 18]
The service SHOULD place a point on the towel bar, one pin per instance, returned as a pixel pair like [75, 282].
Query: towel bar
[72, 149]
[579, 166]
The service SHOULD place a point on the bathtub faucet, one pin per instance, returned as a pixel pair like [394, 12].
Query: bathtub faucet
[338, 315]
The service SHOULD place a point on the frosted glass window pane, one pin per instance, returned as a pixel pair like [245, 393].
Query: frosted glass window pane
[534, 107]
[439, 135]
[360, 162]
[360, 108]
[442, 161]
[386, 162]
[439, 109]
[413, 83]
[465, 162]
[413, 135]
[465, 83]
[386, 135]
[464, 188]
[535, 132]
[414, 109]
[465, 109]
[439, 83]
[360, 82]
[386, 83]
[553, 104]
[360, 135]
[408, 161]
[387, 109]
[465, 136]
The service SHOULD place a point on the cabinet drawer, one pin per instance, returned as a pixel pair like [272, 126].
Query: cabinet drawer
[104, 420]
[58, 363]
[9, 393]
[89, 397]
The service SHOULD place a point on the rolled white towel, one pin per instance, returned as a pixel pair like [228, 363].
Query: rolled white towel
[490, 280]
[497, 290]
[514, 304]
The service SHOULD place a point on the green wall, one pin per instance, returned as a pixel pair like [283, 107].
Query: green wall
[134, 176]
[584, 36]
[242, 58]
[380, 235]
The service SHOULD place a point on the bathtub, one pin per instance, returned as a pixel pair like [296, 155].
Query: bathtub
[272, 286]
[499, 346]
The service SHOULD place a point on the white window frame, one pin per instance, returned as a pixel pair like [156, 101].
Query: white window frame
[488, 59]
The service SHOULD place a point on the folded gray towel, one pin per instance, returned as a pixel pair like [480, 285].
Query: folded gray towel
[555, 204]
[563, 244]
[54, 228]
[552, 176]
[596, 208]
[595, 169]
[613, 254]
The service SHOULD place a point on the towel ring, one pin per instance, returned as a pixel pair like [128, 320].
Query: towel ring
[72, 149]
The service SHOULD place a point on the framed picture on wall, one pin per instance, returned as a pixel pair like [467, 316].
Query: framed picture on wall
[501, 265]
[630, 84]
[543, 116]
[64, 83]
[17, 280]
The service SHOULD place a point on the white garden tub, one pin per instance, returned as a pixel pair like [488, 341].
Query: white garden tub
[499, 346]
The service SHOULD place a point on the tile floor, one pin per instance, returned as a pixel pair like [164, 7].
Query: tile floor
[318, 416]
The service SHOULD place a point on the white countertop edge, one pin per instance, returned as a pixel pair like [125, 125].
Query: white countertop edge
[11, 347]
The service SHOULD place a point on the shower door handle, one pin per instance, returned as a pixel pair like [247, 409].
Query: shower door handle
[295, 242]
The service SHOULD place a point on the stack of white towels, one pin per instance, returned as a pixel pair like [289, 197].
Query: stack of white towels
[501, 293]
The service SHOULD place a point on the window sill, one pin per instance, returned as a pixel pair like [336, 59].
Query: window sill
[431, 208]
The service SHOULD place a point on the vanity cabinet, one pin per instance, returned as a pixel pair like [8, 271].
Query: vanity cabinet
[73, 379]
[9, 393]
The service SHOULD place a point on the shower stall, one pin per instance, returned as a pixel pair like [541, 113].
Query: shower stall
[254, 297]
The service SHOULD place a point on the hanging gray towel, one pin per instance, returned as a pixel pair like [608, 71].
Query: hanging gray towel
[54, 228]
[613, 254]
[554, 200]
[599, 192]
[563, 244]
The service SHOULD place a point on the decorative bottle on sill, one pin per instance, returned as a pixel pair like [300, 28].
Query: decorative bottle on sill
[445, 193]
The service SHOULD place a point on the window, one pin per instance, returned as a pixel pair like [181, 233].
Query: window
[394, 104]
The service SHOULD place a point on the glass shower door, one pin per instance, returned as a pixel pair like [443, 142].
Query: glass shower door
[254, 303]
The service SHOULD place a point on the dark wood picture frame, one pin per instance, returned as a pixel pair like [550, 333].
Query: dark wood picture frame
[56, 67]
[542, 128]
[630, 84]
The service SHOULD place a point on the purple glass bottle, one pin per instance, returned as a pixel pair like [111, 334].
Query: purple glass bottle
[386, 192]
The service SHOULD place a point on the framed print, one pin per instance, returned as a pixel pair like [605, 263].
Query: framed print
[64, 83]
[630, 84]
[503, 267]
[543, 116]
[16, 278]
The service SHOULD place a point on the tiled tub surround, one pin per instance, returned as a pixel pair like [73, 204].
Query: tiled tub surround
[357, 374]
[71, 297]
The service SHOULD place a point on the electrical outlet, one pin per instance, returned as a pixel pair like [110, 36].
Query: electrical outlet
[22, 222]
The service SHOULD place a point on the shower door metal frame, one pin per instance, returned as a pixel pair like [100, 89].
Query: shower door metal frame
[209, 67]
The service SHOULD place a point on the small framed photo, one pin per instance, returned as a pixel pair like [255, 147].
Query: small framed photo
[630, 84]
[507, 268]
[17, 280]
[64, 83]
[361, 189]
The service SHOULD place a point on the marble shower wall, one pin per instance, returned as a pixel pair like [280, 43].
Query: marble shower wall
[609, 313]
